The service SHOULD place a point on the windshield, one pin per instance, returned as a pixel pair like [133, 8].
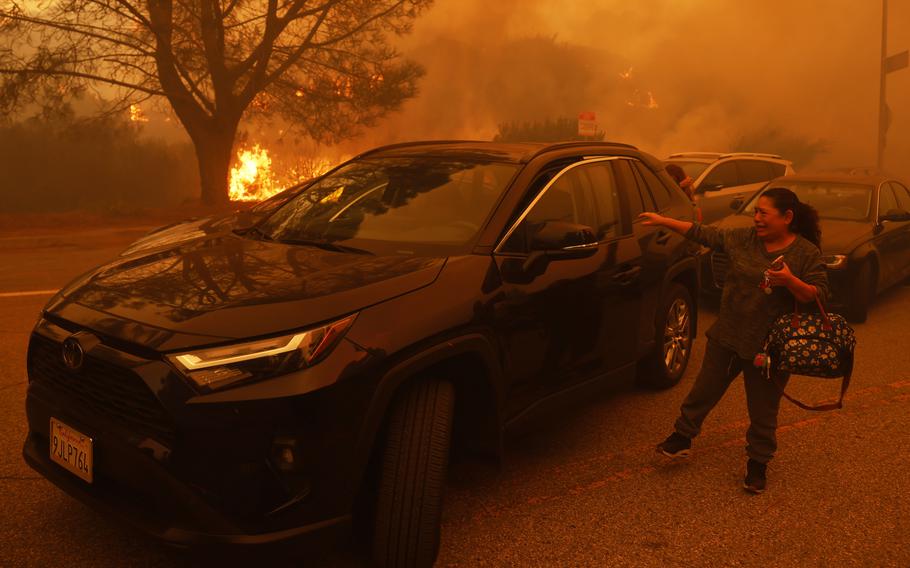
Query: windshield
[842, 201]
[409, 200]
[692, 169]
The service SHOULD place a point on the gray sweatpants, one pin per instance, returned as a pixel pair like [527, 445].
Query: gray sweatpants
[719, 367]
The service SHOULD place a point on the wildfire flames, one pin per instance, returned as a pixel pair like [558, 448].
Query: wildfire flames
[254, 179]
[136, 114]
[251, 179]
[643, 100]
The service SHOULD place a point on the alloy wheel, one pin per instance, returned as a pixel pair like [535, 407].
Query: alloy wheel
[677, 336]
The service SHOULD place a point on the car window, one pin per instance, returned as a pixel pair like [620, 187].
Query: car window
[886, 199]
[754, 171]
[832, 200]
[568, 199]
[777, 170]
[622, 170]
[902, 194]
[723, 175]
[423, 200]
[606, 198]
[646, 197]
[692, 169]
[658, 190]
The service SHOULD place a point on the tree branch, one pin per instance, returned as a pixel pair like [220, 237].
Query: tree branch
[88, 76]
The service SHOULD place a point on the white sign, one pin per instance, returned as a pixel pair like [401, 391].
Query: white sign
[587, 124]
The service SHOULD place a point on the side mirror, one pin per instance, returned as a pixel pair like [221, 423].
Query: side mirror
[557, 236]
[896, 215]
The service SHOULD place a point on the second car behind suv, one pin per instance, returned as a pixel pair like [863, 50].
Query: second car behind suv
[275, 382]
[721, 179]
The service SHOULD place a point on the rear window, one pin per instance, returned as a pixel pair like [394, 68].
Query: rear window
[777, 170]
[755, 171]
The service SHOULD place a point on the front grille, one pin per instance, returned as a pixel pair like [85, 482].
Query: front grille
[720, 263]
[101, 388]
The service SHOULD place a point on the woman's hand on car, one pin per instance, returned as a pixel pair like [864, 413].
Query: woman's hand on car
[652, 219]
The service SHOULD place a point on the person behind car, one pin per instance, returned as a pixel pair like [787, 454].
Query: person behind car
[782, 226]
[682, 180]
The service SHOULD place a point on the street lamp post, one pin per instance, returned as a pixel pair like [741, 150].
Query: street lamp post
[891, 64]
[882, 103]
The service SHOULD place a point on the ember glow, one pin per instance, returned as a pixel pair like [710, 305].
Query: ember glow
[136, 114]
[643, 100]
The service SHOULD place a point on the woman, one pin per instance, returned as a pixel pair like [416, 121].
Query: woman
[782, 226]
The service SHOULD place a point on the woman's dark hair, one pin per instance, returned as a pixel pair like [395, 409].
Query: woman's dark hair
[676, 172]
[805, 217]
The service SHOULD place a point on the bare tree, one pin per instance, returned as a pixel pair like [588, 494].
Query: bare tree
[326, 66]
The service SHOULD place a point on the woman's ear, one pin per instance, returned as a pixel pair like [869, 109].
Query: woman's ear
[788, 216]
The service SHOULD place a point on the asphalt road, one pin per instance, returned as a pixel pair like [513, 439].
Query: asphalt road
[586, 489]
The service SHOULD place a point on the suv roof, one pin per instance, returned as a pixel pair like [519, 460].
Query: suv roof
[516, 152]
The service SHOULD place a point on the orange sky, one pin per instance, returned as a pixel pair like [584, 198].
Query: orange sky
[718, 69]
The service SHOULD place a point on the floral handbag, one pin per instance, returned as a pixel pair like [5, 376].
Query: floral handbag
[816, 345]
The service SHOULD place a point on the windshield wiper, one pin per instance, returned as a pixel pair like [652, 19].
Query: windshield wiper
[325, 245]
[254, 231]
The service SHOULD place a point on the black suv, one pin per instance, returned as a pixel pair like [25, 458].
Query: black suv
[262, 384]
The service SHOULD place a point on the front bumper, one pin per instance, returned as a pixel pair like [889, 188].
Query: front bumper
[192, 473]
[180, 525]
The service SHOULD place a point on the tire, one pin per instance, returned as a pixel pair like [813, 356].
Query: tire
[412, 476]
[863, 293]
[666, 364]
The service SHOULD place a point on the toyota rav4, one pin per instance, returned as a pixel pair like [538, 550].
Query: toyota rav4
[262, 384]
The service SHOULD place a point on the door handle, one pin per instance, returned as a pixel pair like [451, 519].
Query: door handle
[626, 277]
[663, 237]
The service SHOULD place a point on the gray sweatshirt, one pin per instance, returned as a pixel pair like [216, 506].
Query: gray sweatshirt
[746, 312]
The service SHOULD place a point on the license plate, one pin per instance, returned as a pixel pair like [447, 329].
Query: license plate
[71, 449]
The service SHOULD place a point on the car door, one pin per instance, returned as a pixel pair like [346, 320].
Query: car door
[902, 236]
[656, 243]
[889, 238]
[562, 321]
[715, 192]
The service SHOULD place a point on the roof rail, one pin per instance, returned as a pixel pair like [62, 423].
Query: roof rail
[756, 154]
[577, 144]
[415, 143]
[696, 155]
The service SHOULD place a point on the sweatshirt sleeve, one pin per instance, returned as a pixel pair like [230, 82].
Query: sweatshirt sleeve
[713, 237]
[814, 273]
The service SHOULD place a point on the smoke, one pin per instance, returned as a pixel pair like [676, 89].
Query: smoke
[667, 75]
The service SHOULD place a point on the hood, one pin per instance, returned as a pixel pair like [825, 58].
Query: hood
[189, 230]
[838, 237]
[227, 287]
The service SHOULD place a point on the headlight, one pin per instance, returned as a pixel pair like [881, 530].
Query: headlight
[835, 261]
[218, 367]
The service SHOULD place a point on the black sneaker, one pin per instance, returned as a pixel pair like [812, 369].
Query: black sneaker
[675, 446]
[755, 476]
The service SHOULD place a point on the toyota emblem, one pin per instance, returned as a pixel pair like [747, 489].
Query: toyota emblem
[73, 354]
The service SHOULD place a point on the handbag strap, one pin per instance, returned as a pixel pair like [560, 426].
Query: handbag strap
[794, 319]
[845, 382]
